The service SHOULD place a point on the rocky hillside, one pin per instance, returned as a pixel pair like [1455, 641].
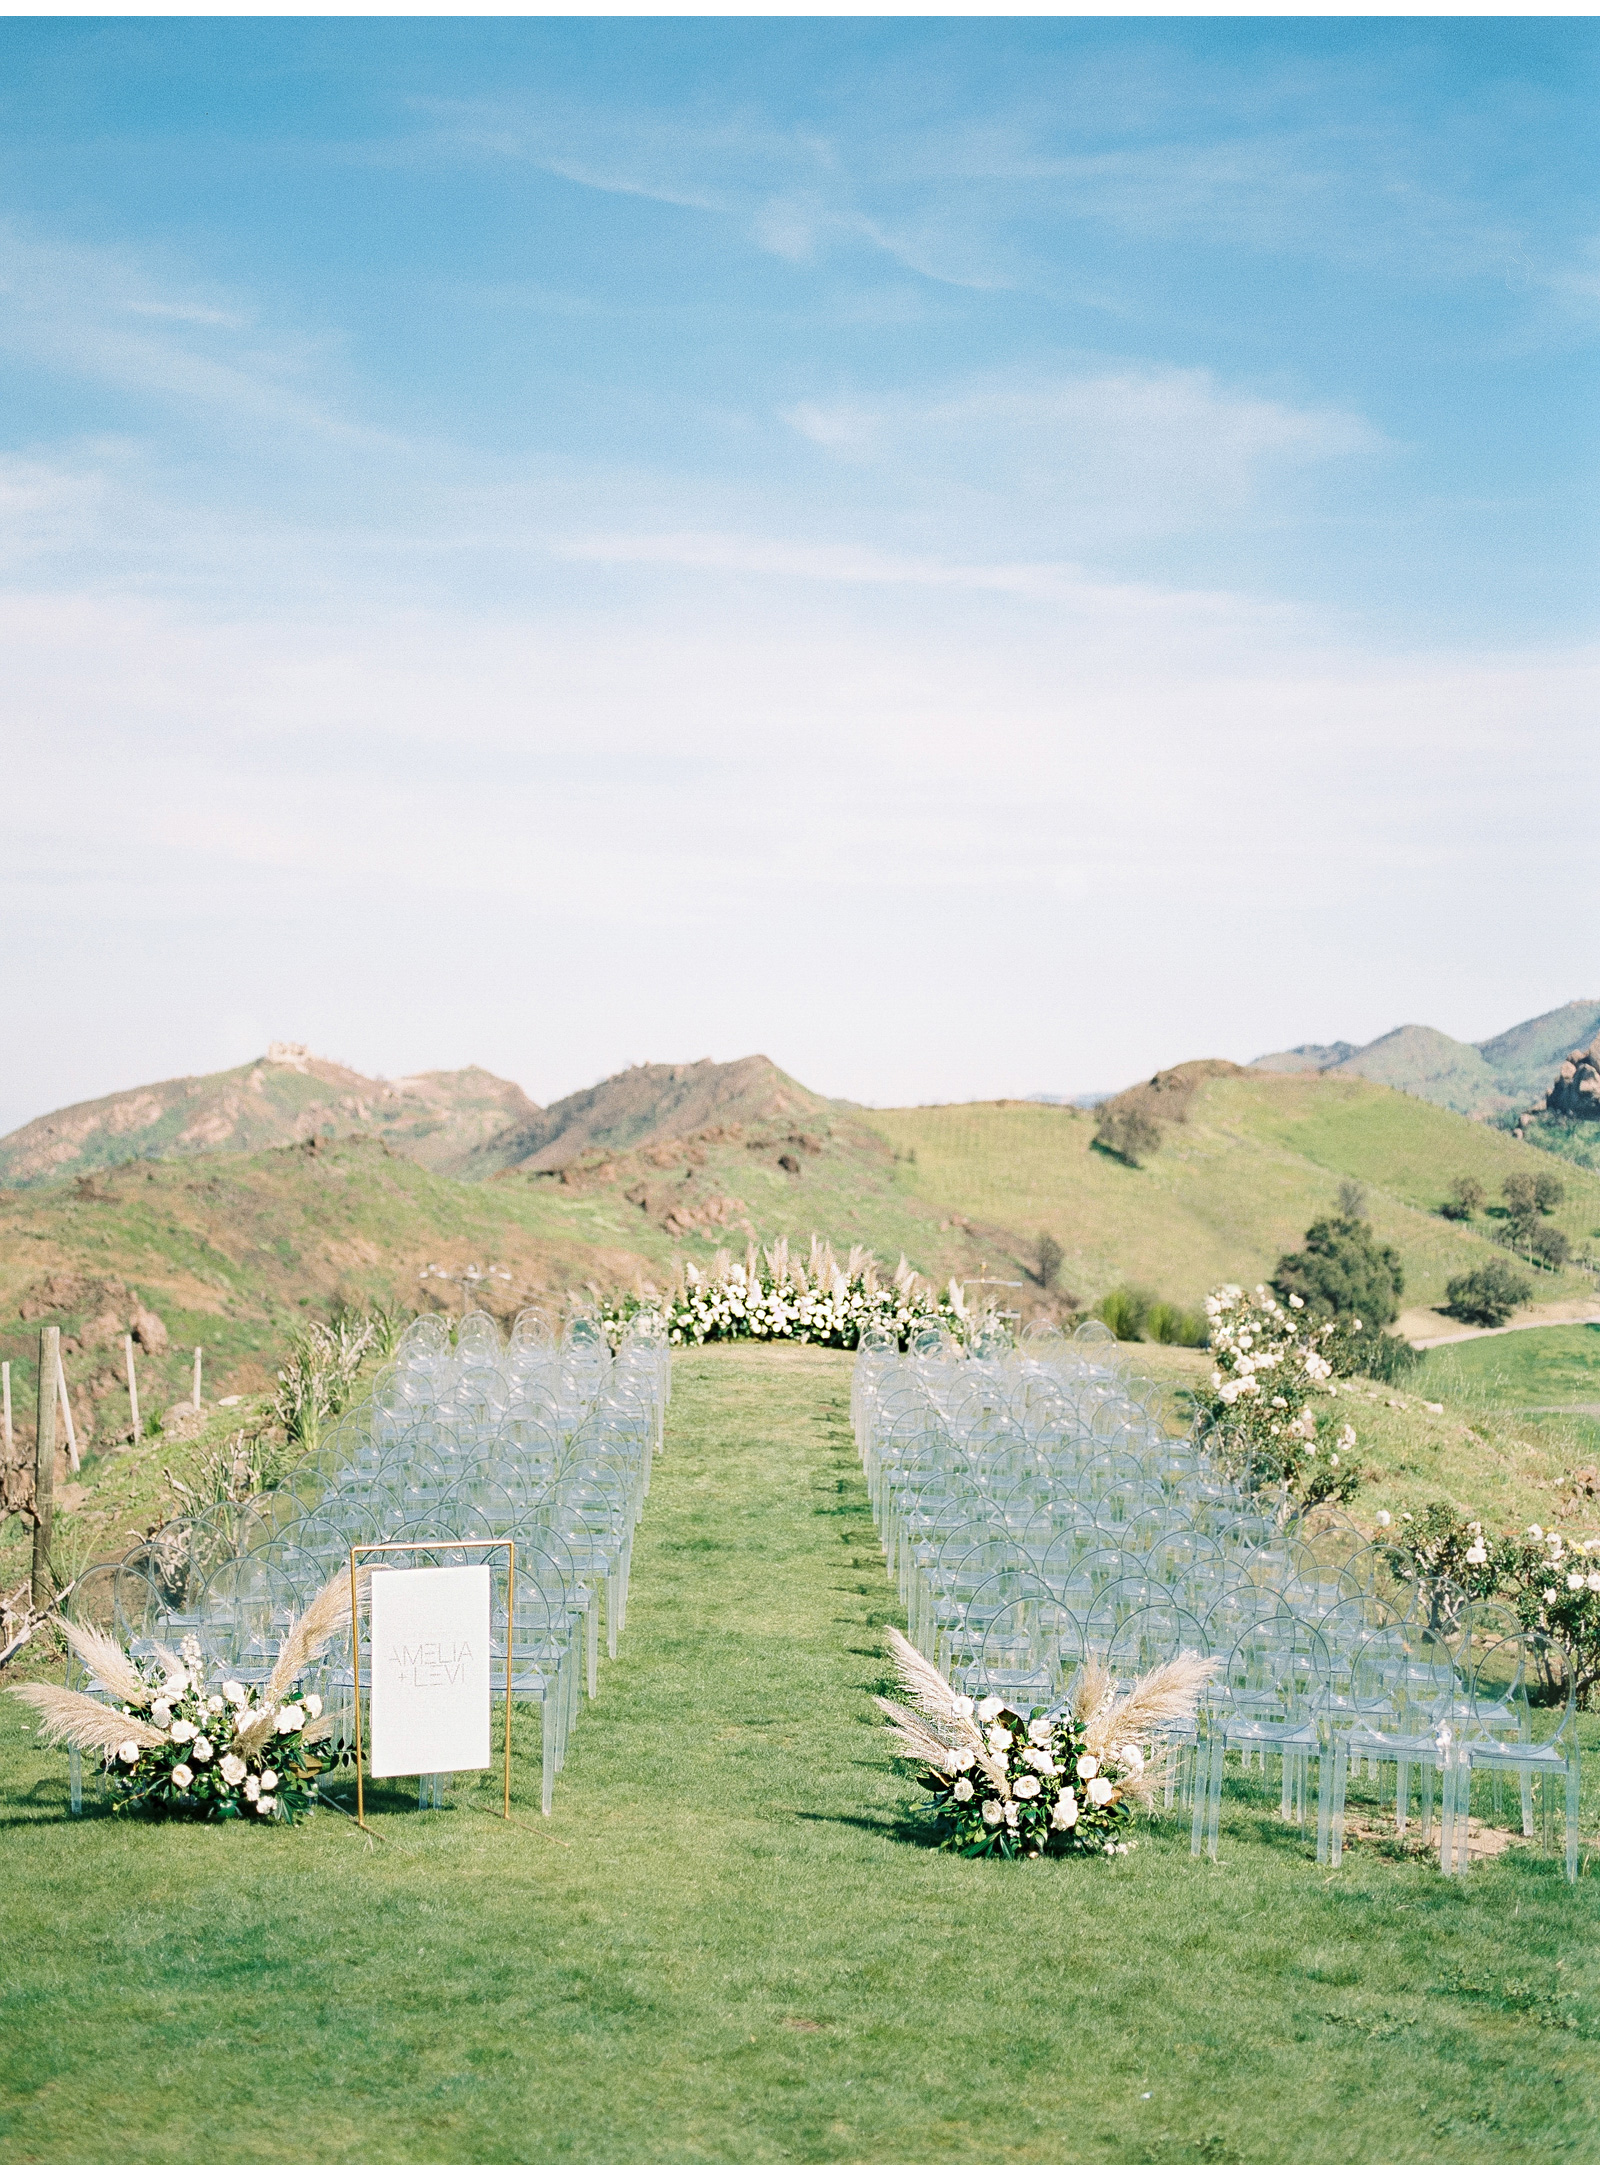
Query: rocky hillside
[645, 1103]
[286, 1096]
[1497, 1075]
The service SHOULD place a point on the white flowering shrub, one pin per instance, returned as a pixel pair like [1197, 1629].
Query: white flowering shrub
[1552, 1582]
[1270, 1369]
[222, 1754]
[817, 1302]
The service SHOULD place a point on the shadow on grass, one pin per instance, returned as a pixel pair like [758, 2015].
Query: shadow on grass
[907, 1833]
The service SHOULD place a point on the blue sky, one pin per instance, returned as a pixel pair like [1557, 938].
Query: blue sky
[973, 558]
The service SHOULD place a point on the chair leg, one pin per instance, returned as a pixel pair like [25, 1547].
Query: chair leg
[1571, 1786]
[1204, 1745]
[1341, 1771]
[75, 1780]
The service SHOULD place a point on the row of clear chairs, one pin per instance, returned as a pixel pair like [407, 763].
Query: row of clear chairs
[1038, 1510]
[545, 1442]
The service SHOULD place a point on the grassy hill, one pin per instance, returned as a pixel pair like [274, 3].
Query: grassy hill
[1233, 1185]
[1499, 1074]
[229, 1251]
[287, 1096]
[647, 1103]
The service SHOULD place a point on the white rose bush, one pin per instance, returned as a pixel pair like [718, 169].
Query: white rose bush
[1271, 1367]
[1069, 1779]
[176, 1744]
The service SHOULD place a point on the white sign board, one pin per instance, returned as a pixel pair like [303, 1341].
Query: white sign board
[430, 1670]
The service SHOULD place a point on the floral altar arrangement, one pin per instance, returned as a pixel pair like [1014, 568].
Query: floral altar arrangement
[180, 1746]
[815, 1301]
[1067, 1778]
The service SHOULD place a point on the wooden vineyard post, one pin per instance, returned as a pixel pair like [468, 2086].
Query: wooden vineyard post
[44, 1465]
[66, 1412]
[133, 1385]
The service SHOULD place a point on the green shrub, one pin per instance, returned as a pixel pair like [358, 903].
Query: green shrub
[1048, 1256]
[1519, 1192]
[1166, 1325]
[1124, 1310]
[1548, 1246]
[1549, 1192]
[1342, 1271]
[1127, 1132]
[1487, 1295]
[1466, 1197]
[1356, 1351]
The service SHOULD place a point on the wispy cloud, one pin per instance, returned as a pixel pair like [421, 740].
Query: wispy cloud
[102, 314]
[1117, 450]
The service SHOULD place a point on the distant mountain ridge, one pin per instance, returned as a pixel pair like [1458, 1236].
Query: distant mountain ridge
[1498, 1075]
[287, 1096]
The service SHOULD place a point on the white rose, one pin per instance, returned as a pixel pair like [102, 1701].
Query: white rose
[1000, 1741]
[264, 1806]
[988, 1708]
[1099, 1790]
[1011, 1815]
[1088, 1767]
[1593, 1582]
[1026, 1785]
[992, 1814]
[252, 1788]
[1132, 1758]
[312, 1704]
[1575, 1582]
[288, 1719]
[214, 1704]
[1042, 1730]
[232, 1768]
[1066, 1812]
[962, 1792]
[128, 1753]
[161, 1714]
[1477, 1554]
[269, 1780]
[1384, 1519]
[234, 1692]
[182, 1731]
[182, 1777]
[1295, 1301]
[965, 1760]
[201, 1749]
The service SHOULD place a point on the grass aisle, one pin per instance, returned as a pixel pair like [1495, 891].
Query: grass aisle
[738, 1957]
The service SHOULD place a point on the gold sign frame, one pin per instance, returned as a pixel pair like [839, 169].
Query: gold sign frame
[389, 1548]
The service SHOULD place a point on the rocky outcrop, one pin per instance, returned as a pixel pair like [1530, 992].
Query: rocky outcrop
[1575, 1093]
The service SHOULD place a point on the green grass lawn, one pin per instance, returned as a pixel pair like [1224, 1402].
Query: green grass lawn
[734, 1951]
[1555, 1367]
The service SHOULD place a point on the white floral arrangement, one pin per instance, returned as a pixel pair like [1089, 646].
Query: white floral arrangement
[772, 1295]
[177, 1744]
[1070, 1778]
[1270, 1366]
